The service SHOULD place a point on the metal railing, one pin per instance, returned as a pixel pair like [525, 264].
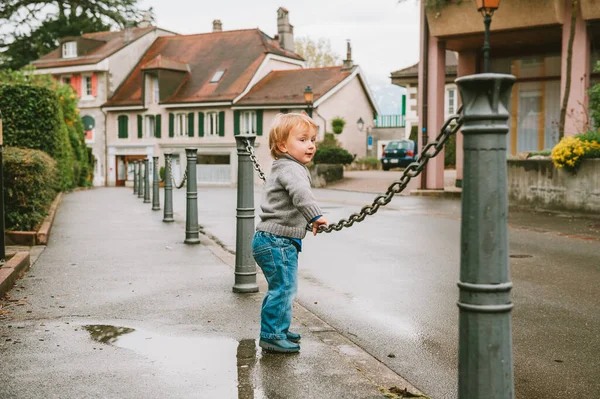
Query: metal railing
[389, 121]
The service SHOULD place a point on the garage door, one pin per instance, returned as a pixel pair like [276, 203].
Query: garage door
[213, 169]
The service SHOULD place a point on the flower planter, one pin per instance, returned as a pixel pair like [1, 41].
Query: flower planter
[462, 18]
[590, 9]
[538, 184]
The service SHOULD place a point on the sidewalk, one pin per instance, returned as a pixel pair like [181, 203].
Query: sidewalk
[118, 306]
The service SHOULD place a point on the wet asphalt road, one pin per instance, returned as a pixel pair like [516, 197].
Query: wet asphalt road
[389, 284]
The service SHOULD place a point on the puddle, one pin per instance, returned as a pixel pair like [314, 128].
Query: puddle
[222, 366]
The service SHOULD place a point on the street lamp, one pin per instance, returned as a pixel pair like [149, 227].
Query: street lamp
[360, 124]
[308, 99]
[487, 8]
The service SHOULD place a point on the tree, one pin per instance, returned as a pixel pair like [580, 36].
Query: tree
[39, 24]
[563, 108]
[317, 53]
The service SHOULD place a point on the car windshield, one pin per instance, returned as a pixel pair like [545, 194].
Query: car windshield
[398, 145]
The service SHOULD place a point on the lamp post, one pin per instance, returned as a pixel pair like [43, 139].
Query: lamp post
[487, 8]
[308, 99]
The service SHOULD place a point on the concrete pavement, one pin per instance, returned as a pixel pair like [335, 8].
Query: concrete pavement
[118, 306]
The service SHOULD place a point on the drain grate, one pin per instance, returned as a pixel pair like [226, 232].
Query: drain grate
[520, 256]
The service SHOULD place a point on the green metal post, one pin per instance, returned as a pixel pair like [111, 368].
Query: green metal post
[141, 179]
[485, 364]
[245, 267]
[155, 188]
[168, 212]
[192, 235]
[135, 177]
[146, 181]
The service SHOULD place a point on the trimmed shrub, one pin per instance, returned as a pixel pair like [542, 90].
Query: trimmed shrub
[329, 140]
[450, 152]
[333, 155]
[414, 133]
[337, 124]
[30, 186]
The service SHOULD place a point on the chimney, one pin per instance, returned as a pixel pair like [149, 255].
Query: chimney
[146, 20]
[285, 31]
[217, 25]
[128, 34]
[348, 64]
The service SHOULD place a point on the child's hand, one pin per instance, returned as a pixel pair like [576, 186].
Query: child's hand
[317, 223]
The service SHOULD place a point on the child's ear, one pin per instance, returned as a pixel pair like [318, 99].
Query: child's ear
[282, 147]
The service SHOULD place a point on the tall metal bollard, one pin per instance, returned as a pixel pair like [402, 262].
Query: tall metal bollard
[245, 267]
[168, 212]
[146, 181]
[155, 188]
[485, 364]
[141, 179]
[191, 213]
[135, 177]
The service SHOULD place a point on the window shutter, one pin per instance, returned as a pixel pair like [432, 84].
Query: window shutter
[75, 84]
[140, 126]
[259, 122]
[157, 122]
[123, 121]
[200, 124]
[222, 123]
[191, 124]
[171, 124]
[94, 85]
[236, 122]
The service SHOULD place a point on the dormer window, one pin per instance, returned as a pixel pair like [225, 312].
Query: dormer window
[217, 76]
[69, 50]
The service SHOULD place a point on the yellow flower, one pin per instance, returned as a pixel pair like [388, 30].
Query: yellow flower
[72, 96]
[61, 98]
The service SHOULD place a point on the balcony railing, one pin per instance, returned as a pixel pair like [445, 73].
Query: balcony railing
[389, 121]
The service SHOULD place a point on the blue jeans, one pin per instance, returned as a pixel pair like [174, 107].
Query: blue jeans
[278, 258]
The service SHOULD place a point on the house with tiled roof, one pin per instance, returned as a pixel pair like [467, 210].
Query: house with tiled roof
[95, 65]
[202, 90]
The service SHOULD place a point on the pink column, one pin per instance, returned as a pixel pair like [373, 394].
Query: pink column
[576, 120]
[467, 65]
[435, 116]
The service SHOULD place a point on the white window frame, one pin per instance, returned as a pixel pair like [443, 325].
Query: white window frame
[69, 49]
[149, 126]
[248, 122]
[217, 76]
[211, 123]
[181, 125]
[63, 79]
[448, 106]
[155, 90]
[84, 86]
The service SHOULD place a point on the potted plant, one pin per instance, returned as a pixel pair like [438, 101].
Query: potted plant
[337, 124]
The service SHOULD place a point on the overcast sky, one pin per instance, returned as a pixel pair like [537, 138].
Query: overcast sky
[384, 34]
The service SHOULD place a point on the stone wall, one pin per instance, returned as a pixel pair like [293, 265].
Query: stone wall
[323, 173]
[539, 184]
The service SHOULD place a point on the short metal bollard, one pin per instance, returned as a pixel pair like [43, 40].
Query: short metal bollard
[146, 181]
[135, 177]
[155, 186]
[192, 235]
[485, 363]
[141, 179]
[245, 267]
[168, 211]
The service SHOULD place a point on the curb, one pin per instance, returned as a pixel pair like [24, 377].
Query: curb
[44, 231]
[437, 193]
[14, 268]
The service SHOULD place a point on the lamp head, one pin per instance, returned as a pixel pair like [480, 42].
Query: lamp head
[487, 7]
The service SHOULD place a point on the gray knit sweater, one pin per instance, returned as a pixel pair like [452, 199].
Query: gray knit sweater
[288, 203]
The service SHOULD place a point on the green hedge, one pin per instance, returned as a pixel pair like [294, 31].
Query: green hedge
[333, 155]
[33, 118]
[30, 186]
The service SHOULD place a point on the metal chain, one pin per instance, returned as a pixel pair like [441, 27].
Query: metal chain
[178, 186]
[412, 170]
[254, 160]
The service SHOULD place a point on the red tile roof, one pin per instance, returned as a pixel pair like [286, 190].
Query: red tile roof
[114, 41]
[239, 53]
[287, 87]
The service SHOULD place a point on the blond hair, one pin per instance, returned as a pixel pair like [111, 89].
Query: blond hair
[281, 126]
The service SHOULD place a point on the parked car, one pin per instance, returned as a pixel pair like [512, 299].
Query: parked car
[398, 153]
